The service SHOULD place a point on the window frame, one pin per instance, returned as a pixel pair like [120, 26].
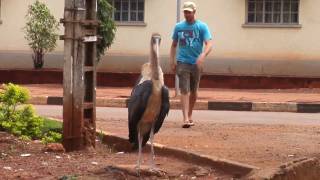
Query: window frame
[272, 24]
[129, 22]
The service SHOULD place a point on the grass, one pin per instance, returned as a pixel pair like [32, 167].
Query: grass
[51, 125]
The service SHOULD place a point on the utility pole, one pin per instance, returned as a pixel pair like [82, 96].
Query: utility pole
[177, 90]
[178, 10]
[79, 74]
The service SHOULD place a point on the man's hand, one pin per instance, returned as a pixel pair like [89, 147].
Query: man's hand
[200, 60]
[173, 62]
[203, 55]
[173, 67]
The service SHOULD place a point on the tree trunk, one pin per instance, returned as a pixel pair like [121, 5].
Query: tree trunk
[38, 59]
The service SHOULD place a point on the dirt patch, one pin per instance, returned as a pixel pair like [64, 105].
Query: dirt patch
[263, 146]
[27, 160]
[299, 169]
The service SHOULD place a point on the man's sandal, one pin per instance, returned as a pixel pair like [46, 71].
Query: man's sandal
[186, 125]
[191, 122]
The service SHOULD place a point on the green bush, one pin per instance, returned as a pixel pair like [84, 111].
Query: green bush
[19, 118]
[51, 137]
[24, 122]
[40, 31]
[107, 29]
[51, 125]
[10, 98]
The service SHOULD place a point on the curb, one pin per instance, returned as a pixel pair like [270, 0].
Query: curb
[200, 105]
[299, 169]
[235, 168]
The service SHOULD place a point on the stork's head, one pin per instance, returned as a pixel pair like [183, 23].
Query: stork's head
[154, 58]
[155, 44]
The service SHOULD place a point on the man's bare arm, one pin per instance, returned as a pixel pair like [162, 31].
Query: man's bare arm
[173, 55]
[206, 52]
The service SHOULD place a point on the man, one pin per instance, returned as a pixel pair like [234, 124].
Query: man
[189, 37]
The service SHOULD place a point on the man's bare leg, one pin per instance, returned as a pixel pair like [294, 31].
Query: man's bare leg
[185, 107]
[192, 102]
[177, 89]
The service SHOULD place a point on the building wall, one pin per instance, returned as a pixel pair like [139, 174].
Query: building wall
[237, 50]
[160, 16]
[13, 20]
[225, 18]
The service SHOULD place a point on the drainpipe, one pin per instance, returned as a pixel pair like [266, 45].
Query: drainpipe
[0, 13]
[178, 10]
[177, 93]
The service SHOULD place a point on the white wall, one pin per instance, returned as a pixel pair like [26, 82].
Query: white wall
[237, 49]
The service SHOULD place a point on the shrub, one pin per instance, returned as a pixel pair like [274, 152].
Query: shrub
[41, 32]
[19, 118]
[51, 137]
[107, 28]
[11, 97]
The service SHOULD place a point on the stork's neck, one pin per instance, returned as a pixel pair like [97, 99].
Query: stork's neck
[154, 62]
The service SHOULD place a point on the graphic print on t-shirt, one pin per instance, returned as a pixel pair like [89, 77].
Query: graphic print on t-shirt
[188, 38]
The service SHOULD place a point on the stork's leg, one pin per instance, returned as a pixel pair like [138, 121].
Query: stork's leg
[153, 167]
[152, 164]
[140, 151]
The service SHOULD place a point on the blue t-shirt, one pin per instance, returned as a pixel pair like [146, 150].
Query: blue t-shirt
[190, 38]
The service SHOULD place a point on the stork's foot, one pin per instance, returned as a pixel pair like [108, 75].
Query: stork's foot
[138, 170]
[157, 171]
[154, 169]
[148, 171]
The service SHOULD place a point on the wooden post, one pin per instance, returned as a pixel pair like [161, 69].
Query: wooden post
[90, 34]
[79, 75]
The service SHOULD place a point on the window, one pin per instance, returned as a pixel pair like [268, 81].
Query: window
[128, 10]
[273, 12]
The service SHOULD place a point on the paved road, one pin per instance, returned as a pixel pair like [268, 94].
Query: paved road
[206, 116]
[263, 139]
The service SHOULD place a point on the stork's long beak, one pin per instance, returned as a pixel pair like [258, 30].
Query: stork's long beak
[154, 60]
[157, 47]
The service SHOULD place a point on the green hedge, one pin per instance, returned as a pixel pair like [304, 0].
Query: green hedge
[19, 118]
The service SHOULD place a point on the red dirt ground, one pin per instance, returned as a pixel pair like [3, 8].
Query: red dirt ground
[93, 164]
[264, 146]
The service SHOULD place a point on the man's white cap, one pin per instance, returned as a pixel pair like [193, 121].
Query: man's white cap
[189, 6]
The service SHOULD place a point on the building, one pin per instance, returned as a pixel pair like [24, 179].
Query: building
[251, 37]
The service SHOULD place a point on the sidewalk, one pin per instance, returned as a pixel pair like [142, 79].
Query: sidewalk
[289, 100]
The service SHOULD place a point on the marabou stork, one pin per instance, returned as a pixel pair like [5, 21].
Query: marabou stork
[149, 103]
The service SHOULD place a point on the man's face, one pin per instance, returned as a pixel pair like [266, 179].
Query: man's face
[189, 15]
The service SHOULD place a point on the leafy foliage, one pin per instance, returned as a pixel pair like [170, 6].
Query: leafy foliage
[24, 122]
[10, 98]
[51, 137]
[19, 118]
[52, 125]
[107, 28]
[40, 31]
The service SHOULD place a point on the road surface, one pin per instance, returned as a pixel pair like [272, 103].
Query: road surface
[263, 139]
[206, 116]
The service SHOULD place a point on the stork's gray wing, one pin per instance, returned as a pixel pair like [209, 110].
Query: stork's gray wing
[165, 106]
[137, 82]
[136, 107]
